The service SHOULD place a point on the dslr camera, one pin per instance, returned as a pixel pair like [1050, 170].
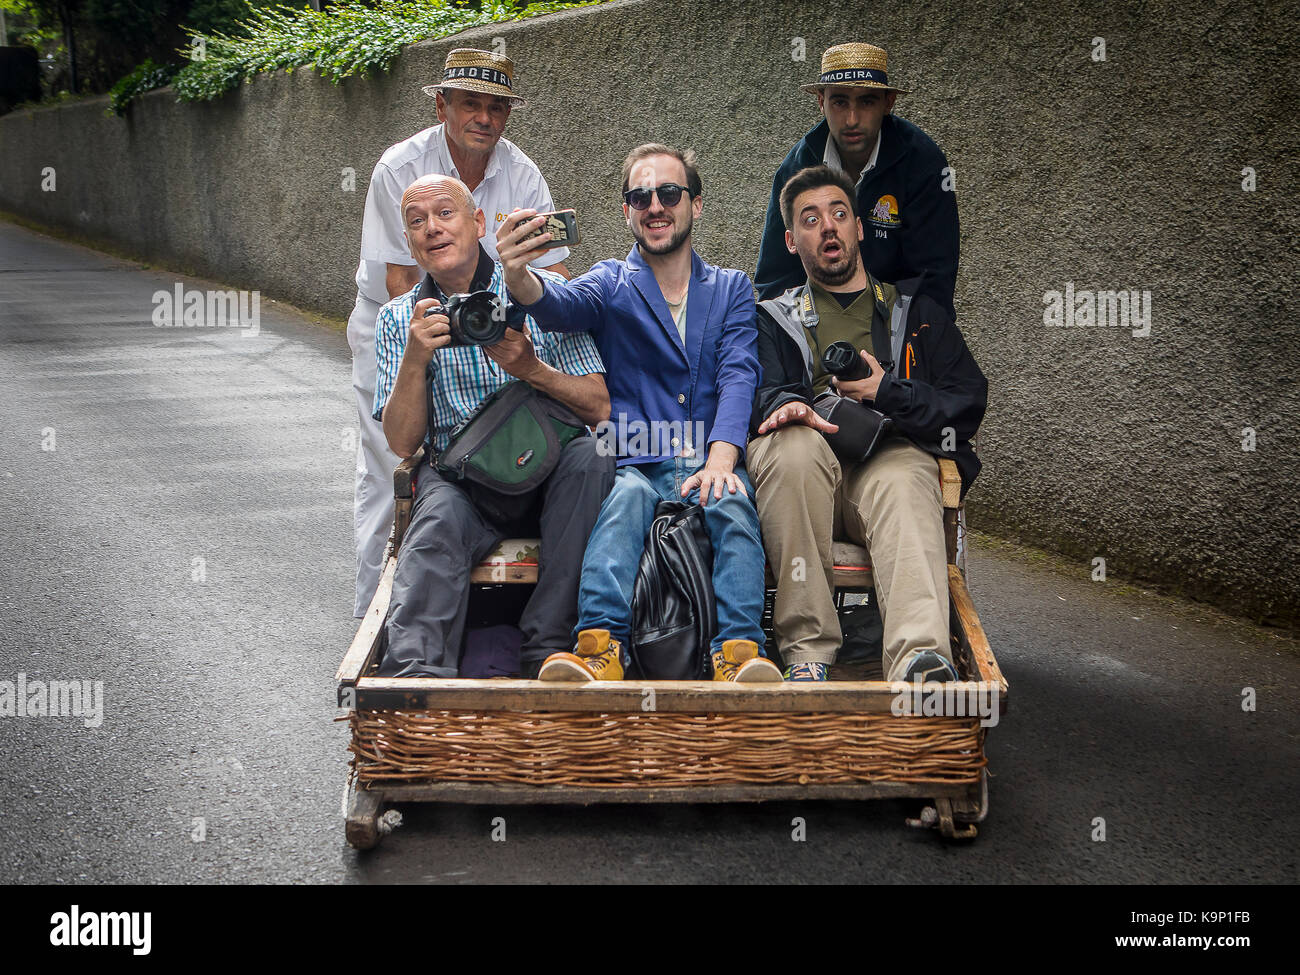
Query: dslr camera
[862, 428]
[842, 361]
[479, 318]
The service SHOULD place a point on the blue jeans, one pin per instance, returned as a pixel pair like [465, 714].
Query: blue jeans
[614, 551]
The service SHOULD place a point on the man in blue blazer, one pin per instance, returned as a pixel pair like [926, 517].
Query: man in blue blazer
[678, 339]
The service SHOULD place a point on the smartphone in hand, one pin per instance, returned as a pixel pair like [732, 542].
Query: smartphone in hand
[561, 226]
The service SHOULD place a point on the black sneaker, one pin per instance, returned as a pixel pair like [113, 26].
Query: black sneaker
[926, 666]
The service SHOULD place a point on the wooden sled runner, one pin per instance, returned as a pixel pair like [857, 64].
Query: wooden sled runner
[526, 742]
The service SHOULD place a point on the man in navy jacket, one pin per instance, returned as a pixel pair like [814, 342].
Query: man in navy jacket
[906, 192]
[922, 376]
[678, 340]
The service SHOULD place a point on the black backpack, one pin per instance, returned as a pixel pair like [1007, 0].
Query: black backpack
[674, 615]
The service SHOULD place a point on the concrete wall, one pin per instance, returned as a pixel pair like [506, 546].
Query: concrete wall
[1123, 173]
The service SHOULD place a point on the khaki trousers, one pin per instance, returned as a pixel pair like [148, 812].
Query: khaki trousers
[891, 505]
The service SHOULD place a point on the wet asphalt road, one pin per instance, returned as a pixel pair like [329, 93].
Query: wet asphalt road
[175, 521]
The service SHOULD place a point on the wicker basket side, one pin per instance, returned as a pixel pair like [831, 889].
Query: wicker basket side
[630, 750]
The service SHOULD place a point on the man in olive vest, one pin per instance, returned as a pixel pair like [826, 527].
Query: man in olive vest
[921, 376]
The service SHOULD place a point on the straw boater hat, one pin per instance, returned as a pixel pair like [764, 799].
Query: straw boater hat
[856, 66]
[481, 71]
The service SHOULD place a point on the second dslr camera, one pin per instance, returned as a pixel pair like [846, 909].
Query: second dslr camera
[479, 318]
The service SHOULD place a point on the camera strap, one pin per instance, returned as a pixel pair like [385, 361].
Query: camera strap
[428, 289]
[886, 330]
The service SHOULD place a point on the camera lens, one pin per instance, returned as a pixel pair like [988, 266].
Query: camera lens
[842, 361]
[476, 320]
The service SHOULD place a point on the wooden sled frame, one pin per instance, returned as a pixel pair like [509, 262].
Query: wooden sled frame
[955, 806]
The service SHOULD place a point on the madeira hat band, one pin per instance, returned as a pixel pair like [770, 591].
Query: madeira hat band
[855, 66]
[482, 71]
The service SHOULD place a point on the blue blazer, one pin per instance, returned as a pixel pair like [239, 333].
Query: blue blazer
[658, 388]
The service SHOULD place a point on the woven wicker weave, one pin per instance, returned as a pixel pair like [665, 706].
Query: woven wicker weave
[661, 749]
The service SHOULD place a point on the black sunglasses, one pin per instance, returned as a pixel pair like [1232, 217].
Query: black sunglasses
[669, 195]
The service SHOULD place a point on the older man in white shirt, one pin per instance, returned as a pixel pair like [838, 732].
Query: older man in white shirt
[473, 100]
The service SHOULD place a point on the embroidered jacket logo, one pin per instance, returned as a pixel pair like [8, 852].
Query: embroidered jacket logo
[885, 212]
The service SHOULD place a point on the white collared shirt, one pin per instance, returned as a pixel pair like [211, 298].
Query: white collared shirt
[831, 157]
[511, 181]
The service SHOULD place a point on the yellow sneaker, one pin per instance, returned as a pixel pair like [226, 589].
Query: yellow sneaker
[596, 657]
[738, 661]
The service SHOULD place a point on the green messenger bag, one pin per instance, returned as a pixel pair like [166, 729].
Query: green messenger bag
[508, 448]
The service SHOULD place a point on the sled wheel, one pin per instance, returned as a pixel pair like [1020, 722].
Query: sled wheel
[947, 828]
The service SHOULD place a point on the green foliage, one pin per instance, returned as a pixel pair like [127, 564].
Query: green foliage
[346, 39]
[30, 24]
[145, 77]
[110, 38]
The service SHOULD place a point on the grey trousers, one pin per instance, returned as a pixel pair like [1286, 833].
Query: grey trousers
[448, 536]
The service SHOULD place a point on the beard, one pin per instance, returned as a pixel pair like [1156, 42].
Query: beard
[837, 271]
[676, 241]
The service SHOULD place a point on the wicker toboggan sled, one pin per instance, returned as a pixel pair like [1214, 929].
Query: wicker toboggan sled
[521, 741]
